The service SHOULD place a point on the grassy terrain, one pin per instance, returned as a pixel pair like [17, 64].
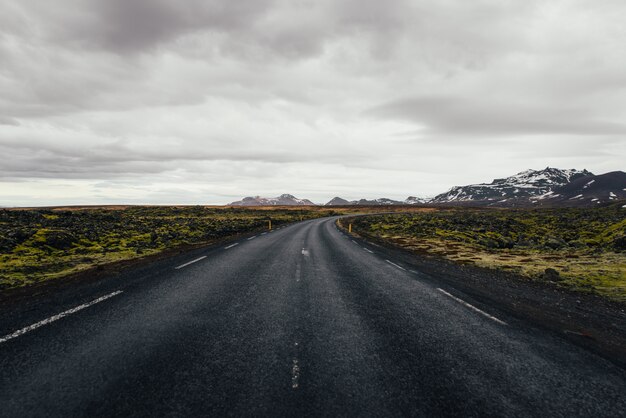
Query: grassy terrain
[42, 244]
[583, 249]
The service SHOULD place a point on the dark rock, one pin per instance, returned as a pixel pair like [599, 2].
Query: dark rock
[620, 243]
[60, 240]
[552, 275]
[554, 243]
[488, 243]
[6, 244]
[507, 243]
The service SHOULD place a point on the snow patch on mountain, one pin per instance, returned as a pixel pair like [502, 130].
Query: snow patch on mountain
[382, 201]
[603, 188]
[413, 200]
[528, 184]
[282, 200]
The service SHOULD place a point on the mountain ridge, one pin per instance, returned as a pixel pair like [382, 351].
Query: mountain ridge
[587, 191]
[530, 188]
[282, 200]
[382, 201]
[515, 190]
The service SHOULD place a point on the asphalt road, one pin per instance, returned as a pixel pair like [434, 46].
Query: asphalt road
[299, 321]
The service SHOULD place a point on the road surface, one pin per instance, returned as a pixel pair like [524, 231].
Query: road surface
[300, 321]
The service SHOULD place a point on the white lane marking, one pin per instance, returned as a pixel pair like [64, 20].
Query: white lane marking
[231, 246]
[462, 302]
[251, 238]
[190, 262]
[368, 250]
[57, 317]
[263, 233]
[354, 242]
[413, 271]
[395, 265]
[295, 374]
[305, 252]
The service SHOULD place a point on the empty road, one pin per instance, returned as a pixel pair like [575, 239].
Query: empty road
[302, 321]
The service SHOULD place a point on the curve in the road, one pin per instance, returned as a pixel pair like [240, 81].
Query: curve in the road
[302, 320]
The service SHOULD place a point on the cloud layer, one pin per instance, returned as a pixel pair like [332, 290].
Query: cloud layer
[153, 101]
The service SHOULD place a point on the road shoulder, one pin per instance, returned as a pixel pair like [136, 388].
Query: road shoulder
[587, 320]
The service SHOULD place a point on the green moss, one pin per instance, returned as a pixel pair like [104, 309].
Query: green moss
[586, 246]
[38, 245]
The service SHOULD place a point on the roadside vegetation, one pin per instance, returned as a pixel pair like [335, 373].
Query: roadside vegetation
[582, 249]
[41, 244]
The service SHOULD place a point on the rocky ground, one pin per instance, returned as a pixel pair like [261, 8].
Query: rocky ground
[586, 318]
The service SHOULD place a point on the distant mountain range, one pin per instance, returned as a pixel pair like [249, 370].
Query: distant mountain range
[547, 187]
[290, 200]
[383, 201]
[282, 200]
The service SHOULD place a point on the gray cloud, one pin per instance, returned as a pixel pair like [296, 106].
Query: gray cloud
[130, 26]
[466, 117]
[5, 120]
[329, 97]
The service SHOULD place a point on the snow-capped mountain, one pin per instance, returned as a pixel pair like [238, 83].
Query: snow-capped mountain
[547, 187]
[338, 201]
[514, 190]
[412, 200]
[290, 200]
[282, 200]
[587, 191]
[383, 201]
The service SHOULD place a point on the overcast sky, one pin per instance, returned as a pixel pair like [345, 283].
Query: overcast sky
[201, 102]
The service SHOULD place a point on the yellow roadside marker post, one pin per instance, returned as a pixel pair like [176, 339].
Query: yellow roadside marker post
[269, 225]
[350, 228]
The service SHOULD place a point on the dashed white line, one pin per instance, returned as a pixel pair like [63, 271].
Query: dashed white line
[263, 233]
[368, 250]
[231, 246]
[57, 317]
[190, 262]
[354, 242]
[295, 374]
[298, 272]
[395, 265]
[305, 252]
[462, 302]
[251, 238]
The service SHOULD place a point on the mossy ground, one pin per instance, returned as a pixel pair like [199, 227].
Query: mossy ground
[39, 245]
[587, 247]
